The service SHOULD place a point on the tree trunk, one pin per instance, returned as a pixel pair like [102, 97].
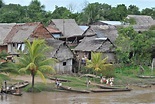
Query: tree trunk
[32, 74]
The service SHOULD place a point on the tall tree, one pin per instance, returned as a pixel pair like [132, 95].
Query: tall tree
[61, 13]
[1, 3]
[36, 12]
[133, 10]
[124, 44]
[35, 61]
[149, 12]
[11, 13]
[118, 13]
[93, 12]
[131, 47]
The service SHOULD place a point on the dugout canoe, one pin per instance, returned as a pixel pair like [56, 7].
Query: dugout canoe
[73, 89]
[110, 90]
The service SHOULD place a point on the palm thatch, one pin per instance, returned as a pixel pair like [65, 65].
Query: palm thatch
[95, 44]
[5, 28]
[142, 19]
[59, 50]
[68, 27]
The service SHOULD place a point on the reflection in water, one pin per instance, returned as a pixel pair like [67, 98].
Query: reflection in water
[136, 96]
[3, 98]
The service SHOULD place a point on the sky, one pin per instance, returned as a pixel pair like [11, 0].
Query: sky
[78, 5]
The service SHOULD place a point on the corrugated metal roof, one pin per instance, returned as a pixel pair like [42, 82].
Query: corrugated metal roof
[112, 22]
[84, 28]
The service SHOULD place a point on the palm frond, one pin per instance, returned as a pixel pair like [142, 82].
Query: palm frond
[46, 68]
[41, 76]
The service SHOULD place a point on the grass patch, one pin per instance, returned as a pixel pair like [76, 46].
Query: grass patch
[77, 82]
[4, 77]
[39, 86]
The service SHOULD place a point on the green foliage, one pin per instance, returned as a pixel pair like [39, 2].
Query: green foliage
[2, 78]
[34, 61]
[93, 12]
[1, 3]
[118, 13]
[152, 27]
[3, 55]
[131, 21]
[131, 47]
[61, 13]
[133, 10]
[149, 12]
[134, 70]
[97, 63]
[35, 12]
[110, 72]
[128, 70]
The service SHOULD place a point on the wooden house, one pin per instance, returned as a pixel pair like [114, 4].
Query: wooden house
[142, 19]
[95, 44]
[70, 31]
[5, 28]
[63, 54]
[54, 32]
[20, 32]
[143, 22]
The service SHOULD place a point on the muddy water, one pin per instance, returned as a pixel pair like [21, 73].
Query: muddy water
[136, 96]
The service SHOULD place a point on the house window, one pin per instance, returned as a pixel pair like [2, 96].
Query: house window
[13, 44]
[64, 63]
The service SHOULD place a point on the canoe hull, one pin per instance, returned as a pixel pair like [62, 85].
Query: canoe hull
[110, 90]
[73, 90]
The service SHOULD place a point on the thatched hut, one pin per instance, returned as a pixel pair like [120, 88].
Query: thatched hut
[22, 31]
[63, 54]
[142, 19]
[70, 31]
[5, 28]
[95, 44]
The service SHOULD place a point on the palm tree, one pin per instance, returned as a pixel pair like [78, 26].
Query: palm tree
[97, 63]
[6, 65]
[34, 61]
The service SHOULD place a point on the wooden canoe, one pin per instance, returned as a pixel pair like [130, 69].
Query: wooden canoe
[58, 79]
[20, 84]
[73, 89]
[90, 76]
[111, 90]
[17, 94]
[146, 77]
[108, 87]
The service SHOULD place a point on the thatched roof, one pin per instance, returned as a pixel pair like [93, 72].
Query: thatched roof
[105, 31]
[89, 32]
[139, 27]
[60, 50]
[68, 27]
[95, 44]
[22, 31]
[142, 19]
[5, 28]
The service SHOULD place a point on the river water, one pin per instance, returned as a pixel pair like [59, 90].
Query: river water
[136, 96]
